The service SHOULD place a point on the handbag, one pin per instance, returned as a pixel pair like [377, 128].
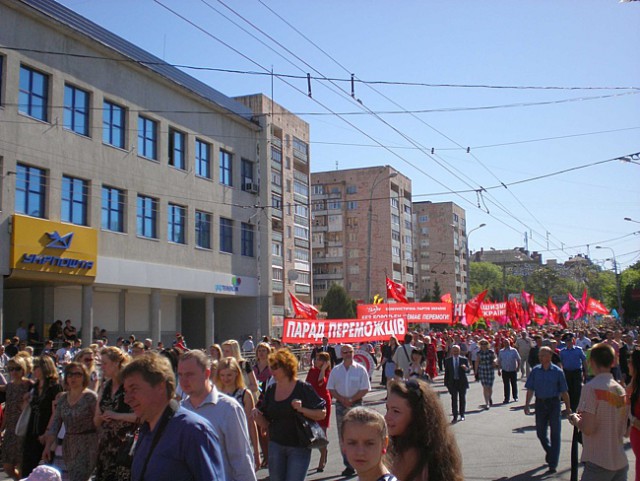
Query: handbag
[310, 433]
[23, 421]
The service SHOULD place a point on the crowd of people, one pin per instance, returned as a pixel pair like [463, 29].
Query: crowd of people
[144, 412]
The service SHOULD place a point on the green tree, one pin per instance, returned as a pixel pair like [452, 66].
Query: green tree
[485, 275]
[545, 282]
[630, 285]
[337, 303]
[437, 292]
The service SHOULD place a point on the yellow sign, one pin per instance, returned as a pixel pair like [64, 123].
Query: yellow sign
[45, 249]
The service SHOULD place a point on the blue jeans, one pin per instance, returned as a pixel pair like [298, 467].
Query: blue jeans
[288, 463]
[548, 416]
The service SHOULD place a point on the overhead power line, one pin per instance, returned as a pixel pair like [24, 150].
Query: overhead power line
[323, 78]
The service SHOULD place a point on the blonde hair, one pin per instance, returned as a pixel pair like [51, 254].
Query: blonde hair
[235, 349]
[232, 364]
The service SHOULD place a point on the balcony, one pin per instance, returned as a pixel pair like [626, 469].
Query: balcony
[302, 289]
[277, 286]
[276, 142]
[275, 212]
[301, 156]
[277, 310]
[328, 277]
[277, 261]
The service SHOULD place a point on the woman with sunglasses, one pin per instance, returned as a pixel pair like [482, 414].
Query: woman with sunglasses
[44, 392]
[288, 458]
[75, 408]
[16, 390]
[420, 454]
[485, 371]
[113, 416]
[87, 357]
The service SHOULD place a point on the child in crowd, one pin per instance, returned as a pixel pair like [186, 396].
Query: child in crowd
[365, 440]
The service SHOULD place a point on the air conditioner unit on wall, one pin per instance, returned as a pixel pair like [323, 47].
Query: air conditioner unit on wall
[251, 187]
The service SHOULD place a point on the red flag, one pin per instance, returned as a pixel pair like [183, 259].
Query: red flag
[513, 313]
[447, 298]
[302, 310]
[596, 307]
[396, 291]
[581, 306]
[472, 309]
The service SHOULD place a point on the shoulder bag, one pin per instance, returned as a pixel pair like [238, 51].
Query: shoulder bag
[309, 432]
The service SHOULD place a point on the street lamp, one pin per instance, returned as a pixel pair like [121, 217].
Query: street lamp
[615, 270]
[376, 181]
[469, 260]
[629, 219]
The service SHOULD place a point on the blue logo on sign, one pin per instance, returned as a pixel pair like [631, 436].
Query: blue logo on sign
[58, 241]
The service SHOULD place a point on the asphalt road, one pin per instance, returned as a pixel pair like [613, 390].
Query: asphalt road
[499, 444]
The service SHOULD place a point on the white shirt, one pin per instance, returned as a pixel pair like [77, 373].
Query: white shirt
[584, 343]
[347, 382]
[63, 356]
[247, 346]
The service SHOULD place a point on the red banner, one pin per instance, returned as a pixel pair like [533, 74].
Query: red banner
[414, 312]
[298, 331]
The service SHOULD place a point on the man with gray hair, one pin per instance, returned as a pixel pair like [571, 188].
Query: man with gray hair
[223, 412]
[456, 382]
[173, 444]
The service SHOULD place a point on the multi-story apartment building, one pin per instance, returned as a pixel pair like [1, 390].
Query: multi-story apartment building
[361, 231]
[133, 196]
[286, 266]
[440, 236]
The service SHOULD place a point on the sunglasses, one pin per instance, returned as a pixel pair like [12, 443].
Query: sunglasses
[75, 374]
[14, 369]
[277, 365]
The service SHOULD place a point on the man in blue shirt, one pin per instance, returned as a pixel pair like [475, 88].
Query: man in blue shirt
[574, 365]
[508, 366]
[223, 412]
[547, 382]
[174, 444]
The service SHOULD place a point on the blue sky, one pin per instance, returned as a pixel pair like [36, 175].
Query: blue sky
[498, 43]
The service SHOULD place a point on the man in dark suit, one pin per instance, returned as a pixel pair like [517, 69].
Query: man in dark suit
[455, 379]
[325, 347]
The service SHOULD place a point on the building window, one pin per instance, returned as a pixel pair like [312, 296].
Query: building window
[303, 278]
[352, 205]
[302, 255]
[246, 167]
[147, 217]
[147, 138]
[276, 201]
[276, 249]
[76, 110]
[301, 232]
[278, 274]
[318, 189]
[203, 229]
[177, 149]
[74, 200]
[30, 190]
[276, 155]
[203, 159]
[423, 218]
[276, 178]
[394, 202]
[300, 149]
[226, 168]
[176, 220]
[247, 240]
[34, 93]
[226, 235]
[112, 209]
[113, 124]
[334, 205]
[300, 188]
[352, 189]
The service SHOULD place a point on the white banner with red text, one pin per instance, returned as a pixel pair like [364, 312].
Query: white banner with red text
[302, 331]
[414, 312]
